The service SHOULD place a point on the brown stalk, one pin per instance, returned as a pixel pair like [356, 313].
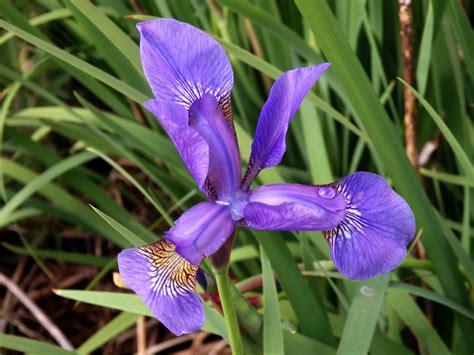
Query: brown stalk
[141, 336]
[406, 35]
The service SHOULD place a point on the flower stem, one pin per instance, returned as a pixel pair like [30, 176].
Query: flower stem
[230, 316]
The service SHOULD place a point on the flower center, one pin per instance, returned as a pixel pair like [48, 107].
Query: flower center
[236, 202]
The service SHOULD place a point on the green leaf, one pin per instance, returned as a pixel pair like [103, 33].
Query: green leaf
[140, 188]
[73, 208]
[31, 346]
[272, 330]
[115, 35]
[447, 178]
[282, 32]
[115, 327]
[433, 296]
[460, 154]
[424, 54]
[49, 175]
[116, 47]
[19, 214]
[87, 68]
[412, 316]
[363, 314]
[134, 239]
[40, 20]
[314, 324]
[464, 34]
[59, 255]
[462, 255]
[296, 343]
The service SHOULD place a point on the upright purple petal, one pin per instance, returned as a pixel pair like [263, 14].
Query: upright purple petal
[224, 159]
[201, 230]
[165, 282]
[192, 147]
[293, 207]
[379, 224]
[285, 97]
[182, 63]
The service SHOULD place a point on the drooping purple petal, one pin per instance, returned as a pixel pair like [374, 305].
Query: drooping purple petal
[293, 207]
[285, 97]
[182, 63]
[165, 282]
[377, 228]
[192, 147]
[224, 159]
[201, 230]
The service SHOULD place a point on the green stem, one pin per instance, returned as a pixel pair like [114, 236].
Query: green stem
[229, 312]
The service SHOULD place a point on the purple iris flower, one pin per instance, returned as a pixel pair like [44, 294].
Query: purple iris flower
[366, 224]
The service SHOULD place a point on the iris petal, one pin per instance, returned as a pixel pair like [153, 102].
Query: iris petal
[192, 147]
[201, 230]
[294, 207]
[379, 224]
[224, 158]
[183, 63]
[165, 282]
[285, 97]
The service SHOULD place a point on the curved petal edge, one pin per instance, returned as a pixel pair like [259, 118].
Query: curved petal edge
[165, 282]
[182, 63]
[284, 99]
[192, 147]
[201, 230]
[373, 237]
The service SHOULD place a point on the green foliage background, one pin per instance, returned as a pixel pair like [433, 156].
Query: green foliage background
[72, 89]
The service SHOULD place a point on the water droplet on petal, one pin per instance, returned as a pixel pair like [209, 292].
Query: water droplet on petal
[367, 291]
[326, 192]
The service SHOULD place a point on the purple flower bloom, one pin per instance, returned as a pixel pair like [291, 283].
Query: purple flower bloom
[366, 224]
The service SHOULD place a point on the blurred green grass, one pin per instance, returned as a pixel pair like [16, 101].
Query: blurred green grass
[72, 89]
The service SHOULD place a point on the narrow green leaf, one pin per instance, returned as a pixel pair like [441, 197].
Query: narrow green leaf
[115, 327]
[121, 40]
[49, 175]
[126, 233]
[40, 20]
[296, 343]
[424, 54]
[59, 255]
[272, 331]
[363, 314]
[297, 289]
[460, 154]
[433, 296]
[18, 215]
[447, 178]
[87, 68]
[263, 18]
[140, 188]
[412, 316]
[70, 206]
[26, 345]
[463, 256]
[464, 33]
